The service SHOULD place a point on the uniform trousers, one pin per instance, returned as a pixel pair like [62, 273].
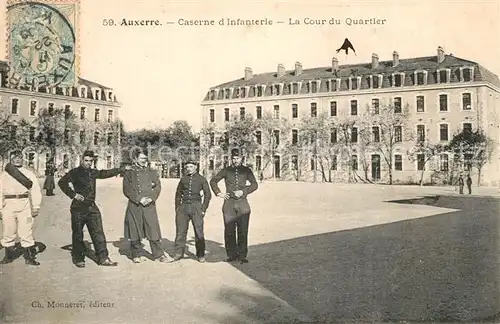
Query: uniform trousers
[17, 220]
[87, 213]
[236, 220]
[156, 250]
[189, 212]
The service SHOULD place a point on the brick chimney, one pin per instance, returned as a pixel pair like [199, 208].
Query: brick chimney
[335, 64]
[248, 73]
[281, 70]
[440, 54]
[395, 58]
[298, 68]
[374, 61]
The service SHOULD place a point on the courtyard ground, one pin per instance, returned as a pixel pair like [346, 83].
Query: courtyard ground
[318, 253]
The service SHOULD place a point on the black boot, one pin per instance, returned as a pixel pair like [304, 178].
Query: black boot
[9, 255]
[29, 256]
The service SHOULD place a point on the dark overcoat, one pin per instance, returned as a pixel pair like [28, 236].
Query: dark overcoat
[49, 183]
[141, 221]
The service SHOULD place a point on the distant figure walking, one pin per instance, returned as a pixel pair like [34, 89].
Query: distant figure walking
[49, 184]
[469, 184]
[461, 185]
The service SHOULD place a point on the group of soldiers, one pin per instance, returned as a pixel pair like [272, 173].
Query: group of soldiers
[21, 197]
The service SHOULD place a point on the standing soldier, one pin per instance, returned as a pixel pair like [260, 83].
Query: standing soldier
[84, 210]
[235, 209]
[20, 199]
[189, 206]
[49, 183]
[469, 183]
[142, 187]
[461, 185]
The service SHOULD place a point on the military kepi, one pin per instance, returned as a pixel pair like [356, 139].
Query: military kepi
[193, 162]
[235, 152]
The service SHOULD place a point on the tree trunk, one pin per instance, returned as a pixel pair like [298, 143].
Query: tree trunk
[422, 178]
[479, 177]
[390, 175]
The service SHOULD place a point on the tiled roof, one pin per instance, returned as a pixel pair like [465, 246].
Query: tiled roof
[386, 68]
[81, 81]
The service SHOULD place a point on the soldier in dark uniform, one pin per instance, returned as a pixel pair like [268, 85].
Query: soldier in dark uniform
[142, 187]
[235, 209]
[49, 183]
[84, 210]
[469, 184]
[189, 206]
[461, 185]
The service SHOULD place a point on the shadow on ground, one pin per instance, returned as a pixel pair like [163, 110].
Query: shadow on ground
[442, 268]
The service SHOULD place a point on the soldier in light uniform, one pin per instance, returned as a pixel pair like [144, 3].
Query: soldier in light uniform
[20, 199]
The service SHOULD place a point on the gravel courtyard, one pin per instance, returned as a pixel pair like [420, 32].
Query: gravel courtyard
[318, 253]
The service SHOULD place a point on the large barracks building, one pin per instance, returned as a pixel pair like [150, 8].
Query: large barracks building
[95, 109]
[443, 94]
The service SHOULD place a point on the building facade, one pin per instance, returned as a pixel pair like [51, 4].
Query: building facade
[440, 95]
[95, 123]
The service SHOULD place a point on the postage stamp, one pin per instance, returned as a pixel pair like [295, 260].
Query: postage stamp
[42, 43]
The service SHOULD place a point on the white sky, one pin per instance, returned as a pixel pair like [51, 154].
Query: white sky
[161, 74]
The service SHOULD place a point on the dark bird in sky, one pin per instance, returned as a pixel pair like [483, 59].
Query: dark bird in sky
[346, 46]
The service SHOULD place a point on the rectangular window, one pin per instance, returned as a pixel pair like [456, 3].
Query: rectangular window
[276, 137]
[67, 111]
[466, 101]
[333, 108]
[33, 107]
[314, 109]
[354, 162]
[467, 74]
[398, 80]
[354, 135]
[398, 134]
[420, 78]
[295, 137]
[14, 106]
[314, 85]
[258, 162]
[96, 138]
[376, 133]
[397, 105]
[211, 164]
[443, 102]
[259, 112]
[295, 111]
[443, 76]
[467, 128]
[259, 91]
[443, 132]
[354, 107]
[83, 112]
[375, 82]
[82, 137]
[110, 116]
[276, 111]
[421, 133]
[333, 136]
[444, 162]
[226, 114]
[212, 139]
[295, 88]
[32, 135]
[376, 106]
[258, 137]
[354, 83]
[420, 104]
[420, 162]
[334, 163]
[109, 139]
[212, 115]
[398, 162]
[295, 162]
[97, 114]
[242, 113]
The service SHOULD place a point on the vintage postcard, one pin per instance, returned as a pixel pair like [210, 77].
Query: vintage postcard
[249, 162]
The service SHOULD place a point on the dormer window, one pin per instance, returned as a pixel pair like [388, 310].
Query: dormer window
[97, 94]
[375, 81]
[397, 79]
[354, 83]
[259, 91]
[237, 93]
[420, 77]
[243, 92]
[314, 86]
[466, 74]
[212, 95]
[227, 94]
[83, 92]
[443, 76]
[295, 87]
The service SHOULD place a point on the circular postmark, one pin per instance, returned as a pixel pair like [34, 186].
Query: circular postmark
[41, 46]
